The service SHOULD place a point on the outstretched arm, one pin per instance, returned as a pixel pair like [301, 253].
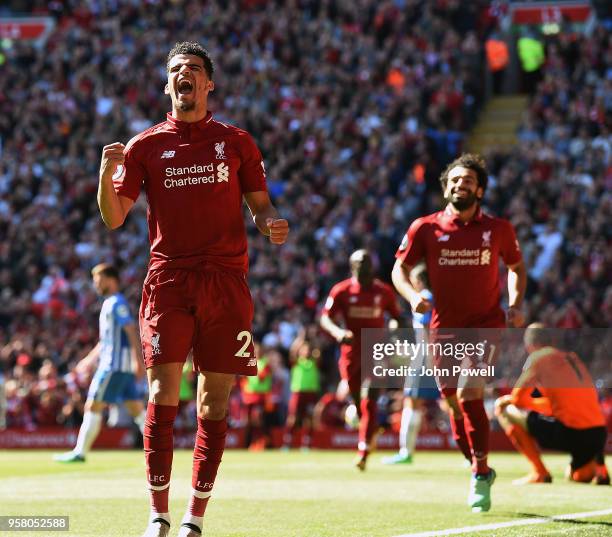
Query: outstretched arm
[266, 218]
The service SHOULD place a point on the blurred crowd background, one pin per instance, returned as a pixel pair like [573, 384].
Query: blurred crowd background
[356, 105]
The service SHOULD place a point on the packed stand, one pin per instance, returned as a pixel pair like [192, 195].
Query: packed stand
[556, 188]
[356, 111]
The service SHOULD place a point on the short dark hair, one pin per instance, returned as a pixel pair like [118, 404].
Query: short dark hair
[195, 49]
[472, 162]
[538, 335]
[107, 270]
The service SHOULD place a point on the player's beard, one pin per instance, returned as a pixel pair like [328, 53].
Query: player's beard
[463, 204]
[186, 107]
[364, 276]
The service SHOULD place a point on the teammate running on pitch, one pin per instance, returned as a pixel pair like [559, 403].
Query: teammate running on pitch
[360, 302]
[418, 390]
[119, 358]
[197, 173]
[461, 247]
[567, 417]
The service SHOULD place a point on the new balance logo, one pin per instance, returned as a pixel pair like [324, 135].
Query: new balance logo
[443, 238]
[222, 173]
[168, 154]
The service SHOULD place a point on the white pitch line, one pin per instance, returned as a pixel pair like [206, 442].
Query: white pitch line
[511, 523]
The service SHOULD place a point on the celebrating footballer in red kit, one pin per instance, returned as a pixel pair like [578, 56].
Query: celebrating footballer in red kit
[461, 247]
[196, 172]
[360, 302]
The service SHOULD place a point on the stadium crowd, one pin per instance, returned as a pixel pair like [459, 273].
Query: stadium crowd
[356, 111]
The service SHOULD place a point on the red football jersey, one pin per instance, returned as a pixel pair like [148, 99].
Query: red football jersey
[194, 175]
[361, 307]
[462, 265]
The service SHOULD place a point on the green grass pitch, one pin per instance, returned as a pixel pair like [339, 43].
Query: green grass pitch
[315, 494]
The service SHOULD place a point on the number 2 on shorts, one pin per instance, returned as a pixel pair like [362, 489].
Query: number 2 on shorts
[246, 337]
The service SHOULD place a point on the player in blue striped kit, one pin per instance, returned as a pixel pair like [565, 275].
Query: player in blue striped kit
[120, 363]
[418, 390]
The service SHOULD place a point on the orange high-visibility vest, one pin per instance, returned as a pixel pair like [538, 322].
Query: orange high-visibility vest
[497, 54]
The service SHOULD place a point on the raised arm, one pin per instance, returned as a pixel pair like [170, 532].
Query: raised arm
[113, 208]
[296, 344]
[266, 218]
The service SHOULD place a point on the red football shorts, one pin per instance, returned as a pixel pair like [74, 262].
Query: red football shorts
[490, 338]
[209, 310]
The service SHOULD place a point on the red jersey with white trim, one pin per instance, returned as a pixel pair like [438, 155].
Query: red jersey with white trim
[462, 265]
[361, 307]
[194, 175]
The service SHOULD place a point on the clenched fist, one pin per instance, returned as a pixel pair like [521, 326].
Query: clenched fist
[279, 229]
[112, 156]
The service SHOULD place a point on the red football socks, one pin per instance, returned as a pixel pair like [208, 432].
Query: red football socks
[367, 424]
[158, 447]
[460, 437]
[209, 446]
[525, 444]
[477, 429]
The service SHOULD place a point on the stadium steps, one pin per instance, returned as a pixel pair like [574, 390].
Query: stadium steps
[498, 123]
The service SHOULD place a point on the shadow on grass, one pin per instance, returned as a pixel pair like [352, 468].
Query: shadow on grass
[575, 521]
